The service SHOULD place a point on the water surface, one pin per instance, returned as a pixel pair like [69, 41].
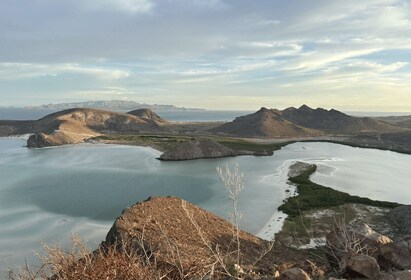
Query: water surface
[48, 194]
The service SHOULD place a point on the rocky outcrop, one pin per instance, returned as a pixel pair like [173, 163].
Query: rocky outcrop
[201, 148]
[363, 253]
[401, 218]
[398, 253]
[298, 168]
[164, 227]
[294, 274]
[361, 266]
[344, 240]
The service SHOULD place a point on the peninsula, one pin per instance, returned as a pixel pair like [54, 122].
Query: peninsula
[259, 133]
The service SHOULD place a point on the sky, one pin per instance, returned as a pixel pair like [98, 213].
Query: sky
[352, 55]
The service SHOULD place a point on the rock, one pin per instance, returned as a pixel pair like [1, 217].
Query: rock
[294, 274]
[298, 168]
[202, 148]
[164, 227]
[342, 239]
[398, 275]
[401, 218]
[398, 253]
[38, 140]
[360, 266]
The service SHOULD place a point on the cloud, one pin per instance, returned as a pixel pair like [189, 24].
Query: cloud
[16, 71]
[284, 51]
[131, 6]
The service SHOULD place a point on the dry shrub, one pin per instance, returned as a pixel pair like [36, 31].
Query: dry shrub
[79, 263]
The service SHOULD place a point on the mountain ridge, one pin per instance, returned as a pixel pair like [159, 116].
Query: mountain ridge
[120, 105]
[296, 122]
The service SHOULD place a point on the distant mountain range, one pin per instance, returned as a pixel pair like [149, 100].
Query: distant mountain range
[112, 105]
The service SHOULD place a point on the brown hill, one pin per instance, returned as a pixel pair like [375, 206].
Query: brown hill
[200, 148]
[333, 120]
[76, 125]
[268, 123]
[148, 115]
[180, 235]
[301, 122]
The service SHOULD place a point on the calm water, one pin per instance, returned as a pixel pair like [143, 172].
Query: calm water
[48, 194]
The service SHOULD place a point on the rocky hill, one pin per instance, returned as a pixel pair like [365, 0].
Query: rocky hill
[200, 148]
[187, 238]
[148, 115]
[333, 120]
[76, 125]
[301, 122]
[267, 123]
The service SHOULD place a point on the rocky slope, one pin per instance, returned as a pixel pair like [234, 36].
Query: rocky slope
[177, 233]
[77, 125]
[267, 123]
[332, 120]
[200, 148]
[148, 115]
[301, 122]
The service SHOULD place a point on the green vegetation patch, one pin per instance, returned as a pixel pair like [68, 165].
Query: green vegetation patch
[314, 196]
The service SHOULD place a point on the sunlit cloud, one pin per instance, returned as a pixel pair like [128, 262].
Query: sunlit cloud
[235, 54]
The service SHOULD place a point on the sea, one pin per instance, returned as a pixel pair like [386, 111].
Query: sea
[49, 194]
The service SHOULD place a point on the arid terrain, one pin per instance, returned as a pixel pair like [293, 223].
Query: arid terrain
[259, 133]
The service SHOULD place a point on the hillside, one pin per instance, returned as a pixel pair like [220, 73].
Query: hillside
[267, 123]
[400, 121]
[200, 148]
[301, 122]
[333, 120]
[76, 125]
[182, 235]
[148, 115]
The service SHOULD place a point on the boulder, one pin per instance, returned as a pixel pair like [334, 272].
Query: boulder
[294, 274]
[349, 239]
[401, 218]
[360, 266]
[38, 140]
[398, 253]
[398, 275]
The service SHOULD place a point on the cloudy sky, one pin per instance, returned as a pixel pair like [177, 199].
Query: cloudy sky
[218, 54]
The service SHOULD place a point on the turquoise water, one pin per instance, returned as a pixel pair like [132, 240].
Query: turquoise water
[48, 194]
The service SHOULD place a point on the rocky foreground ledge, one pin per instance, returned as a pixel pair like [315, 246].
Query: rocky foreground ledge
[166, 227]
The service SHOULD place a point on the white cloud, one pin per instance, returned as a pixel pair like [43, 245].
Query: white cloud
[12, 71]
[132, 6]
